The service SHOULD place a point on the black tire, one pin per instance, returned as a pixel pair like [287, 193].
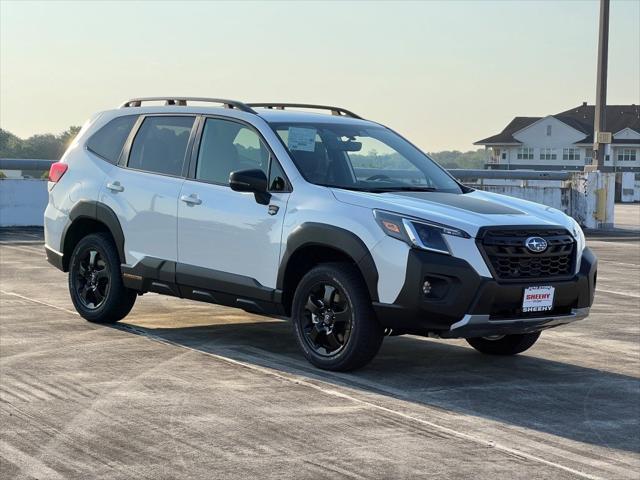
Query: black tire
[354, 331]
[95, 281]
[505, 345]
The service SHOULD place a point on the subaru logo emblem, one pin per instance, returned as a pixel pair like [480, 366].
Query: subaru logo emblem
[536, 244]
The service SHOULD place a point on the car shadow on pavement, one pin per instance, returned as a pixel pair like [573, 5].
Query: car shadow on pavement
[583, 404]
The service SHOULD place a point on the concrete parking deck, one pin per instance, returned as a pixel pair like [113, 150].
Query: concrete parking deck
[187, 390]
[627, 216]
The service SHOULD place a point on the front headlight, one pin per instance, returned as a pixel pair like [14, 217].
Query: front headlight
[416, 232]
[578, 234]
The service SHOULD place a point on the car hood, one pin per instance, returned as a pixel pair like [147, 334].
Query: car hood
[468, 211]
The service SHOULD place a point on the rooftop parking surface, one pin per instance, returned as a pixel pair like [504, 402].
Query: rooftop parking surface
[181, 389]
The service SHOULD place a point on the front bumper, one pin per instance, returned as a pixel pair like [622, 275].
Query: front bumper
[481, 325]
[54, 257]
[462, 304]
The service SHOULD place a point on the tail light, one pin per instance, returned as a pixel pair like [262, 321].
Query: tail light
[56, 171]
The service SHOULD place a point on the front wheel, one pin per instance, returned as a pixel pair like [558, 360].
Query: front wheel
[504, 344]
[334, 323]
[95, 281]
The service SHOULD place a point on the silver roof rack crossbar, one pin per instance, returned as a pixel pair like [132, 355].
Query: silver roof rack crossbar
[182, 101]
[281, 106]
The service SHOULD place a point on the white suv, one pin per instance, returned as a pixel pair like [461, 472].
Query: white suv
[334, 221]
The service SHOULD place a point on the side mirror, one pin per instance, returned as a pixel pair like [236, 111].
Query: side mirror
[254, 181]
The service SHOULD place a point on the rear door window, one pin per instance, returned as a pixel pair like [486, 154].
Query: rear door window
[108, 141]
[160, 145]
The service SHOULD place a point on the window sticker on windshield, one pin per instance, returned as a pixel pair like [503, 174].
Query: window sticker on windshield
[302, 139]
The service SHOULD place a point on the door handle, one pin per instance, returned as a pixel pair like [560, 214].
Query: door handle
[115, 187]
[191, 199]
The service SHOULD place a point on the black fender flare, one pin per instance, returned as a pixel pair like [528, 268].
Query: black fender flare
[320, 234]
[97, 211]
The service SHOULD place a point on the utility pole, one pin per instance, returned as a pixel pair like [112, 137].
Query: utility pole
[601, 184]
[599, 120]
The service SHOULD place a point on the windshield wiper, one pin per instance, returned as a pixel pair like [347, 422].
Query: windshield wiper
[345, 187]
[407, 188]
[404, 189]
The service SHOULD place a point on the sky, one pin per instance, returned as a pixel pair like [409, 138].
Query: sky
[442, 73]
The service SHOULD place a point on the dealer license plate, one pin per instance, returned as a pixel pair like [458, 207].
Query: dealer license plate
[538, 299]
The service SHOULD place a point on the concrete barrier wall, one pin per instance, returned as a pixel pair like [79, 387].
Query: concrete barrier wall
[630, 187]
[587, 197]
[22, 202]
[555, 197]
[593, 199]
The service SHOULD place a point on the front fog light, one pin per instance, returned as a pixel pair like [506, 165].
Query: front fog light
[435, 288]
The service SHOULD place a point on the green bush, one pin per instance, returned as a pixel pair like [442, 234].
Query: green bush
[46, 146]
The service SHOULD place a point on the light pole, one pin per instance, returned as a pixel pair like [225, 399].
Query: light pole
[602, 190]
[599, 120]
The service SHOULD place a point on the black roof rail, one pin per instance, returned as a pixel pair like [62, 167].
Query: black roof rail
[281, 106]
[182, 101]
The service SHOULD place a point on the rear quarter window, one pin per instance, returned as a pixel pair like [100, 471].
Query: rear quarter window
[109, 140]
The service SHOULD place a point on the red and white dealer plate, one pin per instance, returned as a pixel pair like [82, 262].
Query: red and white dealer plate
[538, 299]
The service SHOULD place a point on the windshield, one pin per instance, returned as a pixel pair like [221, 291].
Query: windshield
[369, 158]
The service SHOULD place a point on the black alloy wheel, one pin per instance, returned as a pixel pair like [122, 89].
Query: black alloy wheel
[92, 278]
[95, 280]
[504, 344]
[328, 319]
[333, 319]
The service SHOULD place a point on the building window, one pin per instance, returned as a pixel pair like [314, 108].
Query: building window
[525, 153]
[547, 154]
[548, 130]
[570, 154]
[627, 155]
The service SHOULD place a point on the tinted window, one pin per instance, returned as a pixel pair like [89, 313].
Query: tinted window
[277, 178]
[160, 145]
[226, 147]
[109, 140]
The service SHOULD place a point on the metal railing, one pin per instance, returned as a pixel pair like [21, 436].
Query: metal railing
[469, 174]
[463, 174]
[25, 164]
[460, 173]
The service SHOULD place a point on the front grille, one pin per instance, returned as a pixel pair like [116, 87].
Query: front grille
[506, 254]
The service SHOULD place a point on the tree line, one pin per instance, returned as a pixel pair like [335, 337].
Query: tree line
[40, 146]
[51, 147]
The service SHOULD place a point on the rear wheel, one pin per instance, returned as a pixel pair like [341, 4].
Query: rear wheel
[95, 281]
[334, 323]
[504, 344]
